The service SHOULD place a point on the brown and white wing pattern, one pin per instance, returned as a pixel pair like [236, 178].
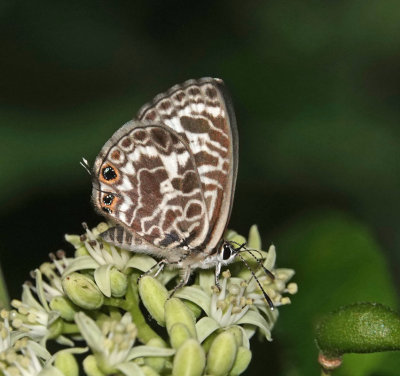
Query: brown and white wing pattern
[200, 112]
[146, 180]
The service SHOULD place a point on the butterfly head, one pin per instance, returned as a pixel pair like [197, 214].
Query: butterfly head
[227, 252]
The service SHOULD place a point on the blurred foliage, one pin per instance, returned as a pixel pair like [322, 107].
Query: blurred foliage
[316, 87]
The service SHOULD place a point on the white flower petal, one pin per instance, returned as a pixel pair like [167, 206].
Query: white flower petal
[205, 327]
[206, 280]
[90, 331]
[141, 262]
[143, 351]
[80, 263]
[103, 279]
[269, 262]
[255, 318]
[197, 296]
[130, 369]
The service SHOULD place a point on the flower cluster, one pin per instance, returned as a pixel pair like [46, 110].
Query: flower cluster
[94, 298]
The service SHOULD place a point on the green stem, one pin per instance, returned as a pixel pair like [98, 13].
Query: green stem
[4, 300]
[115, 302]
[70, 328]
[325, 372]
[145, 333]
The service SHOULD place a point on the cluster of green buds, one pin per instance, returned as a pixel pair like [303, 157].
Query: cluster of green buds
[126, 322]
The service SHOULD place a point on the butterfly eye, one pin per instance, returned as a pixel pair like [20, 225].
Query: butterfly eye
[227, 252]
[109, 173]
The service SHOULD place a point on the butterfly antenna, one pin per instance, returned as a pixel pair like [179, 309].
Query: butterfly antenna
[84, 163]
[259, 260]
[266, 297]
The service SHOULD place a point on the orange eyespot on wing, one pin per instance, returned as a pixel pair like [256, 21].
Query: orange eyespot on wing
[109, 173]
[108, 202]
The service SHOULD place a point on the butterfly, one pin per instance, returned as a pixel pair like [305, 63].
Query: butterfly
[167, 179]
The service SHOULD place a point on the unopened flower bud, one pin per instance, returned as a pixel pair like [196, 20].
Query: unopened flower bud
[55, 328]
[119, 283]
[178, 334]
[190, 359]
[90, 366]
[222, 354]
[64, 306]
[242, 361]
[66, 363]
[154, 296]
[82, 291]
[148, 371]
[156, 363]
[237, 333]
[177, 312]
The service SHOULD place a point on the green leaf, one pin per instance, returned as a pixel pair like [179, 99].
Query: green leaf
[358, 328]
[337, 263]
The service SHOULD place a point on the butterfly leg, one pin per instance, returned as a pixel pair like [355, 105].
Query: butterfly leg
[217, 273]
[161, 264]
[183, 282]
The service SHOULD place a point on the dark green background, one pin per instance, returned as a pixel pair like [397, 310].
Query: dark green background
[316, 87]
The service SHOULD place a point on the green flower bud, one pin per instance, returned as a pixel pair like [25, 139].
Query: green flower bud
[56, 328]
[63, 305]
[222, 354]
[196, 310]
[190, 359]
[209, 340]
[82, 291]
[177, 312]
[153, 295]
[119, 283]
[148, 371]
[241, 362]
[90, 366]
[178, 334]
[66, 363]
[157, 363]
[237, 333]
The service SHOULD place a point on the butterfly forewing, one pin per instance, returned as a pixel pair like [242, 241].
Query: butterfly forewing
[168, 178]
[200, 111]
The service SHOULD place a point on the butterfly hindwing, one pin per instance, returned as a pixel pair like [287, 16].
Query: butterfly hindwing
[149, 185]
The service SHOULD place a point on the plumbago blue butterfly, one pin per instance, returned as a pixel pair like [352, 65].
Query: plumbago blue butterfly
[167, 178]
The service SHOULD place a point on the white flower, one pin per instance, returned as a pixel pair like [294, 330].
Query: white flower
[51, 286]
[112, 343]
[34, 318]
[241, 301]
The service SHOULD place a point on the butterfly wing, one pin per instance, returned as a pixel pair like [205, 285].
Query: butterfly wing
[146, 180]
[200, 111]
